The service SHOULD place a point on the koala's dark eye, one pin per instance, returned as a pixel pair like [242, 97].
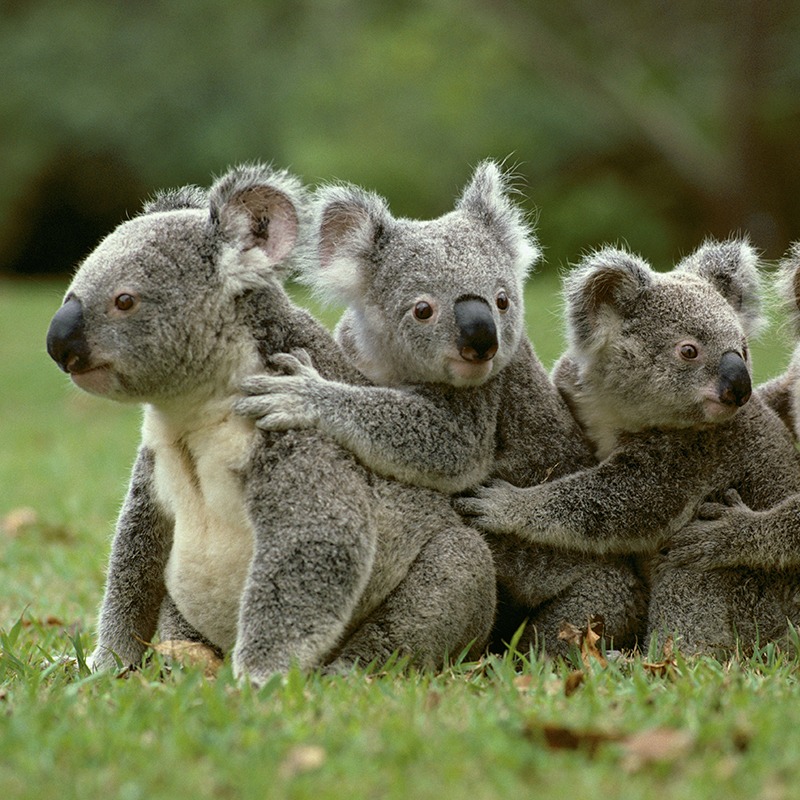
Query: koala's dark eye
[423, 310]
[502, 301]
[688, 351]
[124, 301]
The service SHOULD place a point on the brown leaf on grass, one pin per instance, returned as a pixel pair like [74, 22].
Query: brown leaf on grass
[665, 667]
[586, 640]
[560, 737]
[17, 520]
[192, 653]
[302, 758]
[50, 621]
[655, 746]
[573, 682]
[523, 682]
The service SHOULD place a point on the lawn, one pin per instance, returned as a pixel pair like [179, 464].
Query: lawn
[513, 727]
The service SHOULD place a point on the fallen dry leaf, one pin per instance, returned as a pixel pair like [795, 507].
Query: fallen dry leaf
[302, 758]
[573, 682]
[655, 746]
[665, 667]
[523, 682]
[14, 523]
[558, 737]
[586, 640]
[193, 653]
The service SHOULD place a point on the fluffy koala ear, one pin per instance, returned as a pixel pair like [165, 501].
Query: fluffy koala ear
[731, 267]
[177, 199]
[788, 282]
[600, 289]
[256, 210]
[486, 197]
[351, 225]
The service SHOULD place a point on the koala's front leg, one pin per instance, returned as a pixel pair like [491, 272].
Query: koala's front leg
[135, 581]
[287, 400]
[314, 550]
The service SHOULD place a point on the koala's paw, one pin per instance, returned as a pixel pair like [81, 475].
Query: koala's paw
[279, 402]
[492, 508]
[102, 658]
[249, 671]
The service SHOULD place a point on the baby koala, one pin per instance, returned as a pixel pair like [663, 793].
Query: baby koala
[658, 373]
[435, 317]
[730, 534]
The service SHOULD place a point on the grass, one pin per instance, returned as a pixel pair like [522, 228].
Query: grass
[511, 727]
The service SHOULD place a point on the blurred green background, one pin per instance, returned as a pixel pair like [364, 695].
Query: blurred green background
[648, 122]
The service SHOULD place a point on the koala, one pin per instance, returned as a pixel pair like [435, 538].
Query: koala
[278, 548]
[657, 371]
[435, 320]
[729, 534]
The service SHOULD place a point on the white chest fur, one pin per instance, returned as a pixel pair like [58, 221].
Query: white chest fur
[199, 458]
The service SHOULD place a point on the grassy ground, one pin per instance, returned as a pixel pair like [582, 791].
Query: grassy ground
[506, 728]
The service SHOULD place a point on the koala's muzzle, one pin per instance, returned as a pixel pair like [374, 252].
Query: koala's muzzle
[734, 386]
[66, 341]
[477, 333]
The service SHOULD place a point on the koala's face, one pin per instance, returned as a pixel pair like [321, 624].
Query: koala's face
[679, 356]
[156, 310]
[436, 301]
[138, 317]
[443, 303]
[663, 350]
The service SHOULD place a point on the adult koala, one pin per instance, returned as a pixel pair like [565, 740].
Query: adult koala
[281, 548]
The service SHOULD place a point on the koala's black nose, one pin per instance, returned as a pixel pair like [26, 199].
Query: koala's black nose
[66, 343]
[734, 385]
[477, 333]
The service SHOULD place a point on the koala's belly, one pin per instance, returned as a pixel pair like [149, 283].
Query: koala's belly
[198, 480]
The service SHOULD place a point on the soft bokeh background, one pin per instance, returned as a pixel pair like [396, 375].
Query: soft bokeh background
[650, 122]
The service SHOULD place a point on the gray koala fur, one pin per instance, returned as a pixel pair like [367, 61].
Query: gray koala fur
[731, 534]
[440, 417]
[279, 548]
[657, 371]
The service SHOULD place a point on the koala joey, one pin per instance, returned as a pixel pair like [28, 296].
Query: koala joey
[658, 373]
[434, 318]
[277, 547]
[730, 533]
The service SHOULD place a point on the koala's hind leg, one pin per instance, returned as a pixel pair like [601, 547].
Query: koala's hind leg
[718, 611]
[313, 554]
[613, 590]
[444, 604]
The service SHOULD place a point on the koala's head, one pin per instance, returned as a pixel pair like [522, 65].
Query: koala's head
[665, 349]
[436, 301]
[156, 311]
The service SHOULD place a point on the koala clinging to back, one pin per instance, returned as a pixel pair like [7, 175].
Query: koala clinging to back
[278, 547]
[658, 374]
[435, 316]
[731, 534]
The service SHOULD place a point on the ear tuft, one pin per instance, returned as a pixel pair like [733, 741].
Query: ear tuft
[177, 200]
[351, 225]
[788, 282]
[256, 208]
[607, 280]
[731, 267]
[487, 198]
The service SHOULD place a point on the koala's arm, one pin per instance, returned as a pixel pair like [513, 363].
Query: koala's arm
[135, 584]
[437, 437]
[731, 534]
[627, 503]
